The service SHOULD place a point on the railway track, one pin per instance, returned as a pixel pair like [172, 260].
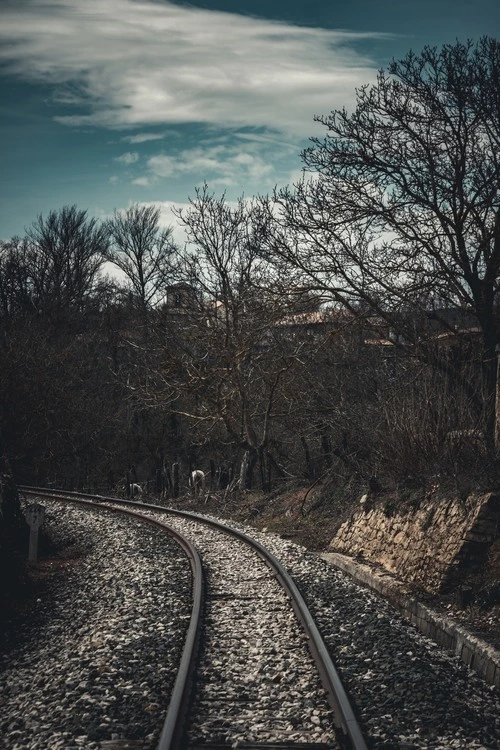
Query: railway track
[241, 689]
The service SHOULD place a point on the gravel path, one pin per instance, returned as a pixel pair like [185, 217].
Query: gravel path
[97, 659]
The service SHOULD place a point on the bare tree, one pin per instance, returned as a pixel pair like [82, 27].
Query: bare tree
[60, 406]
[402, 213]
[64, 253]
[15, 279]
[231, 362]
[142, 251]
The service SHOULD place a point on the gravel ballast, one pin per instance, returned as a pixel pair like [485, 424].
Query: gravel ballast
[96, 660]
[257, 682]
[408, 692]
[69, 685]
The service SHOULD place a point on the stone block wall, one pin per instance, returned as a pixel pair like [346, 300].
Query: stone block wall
[428, 545]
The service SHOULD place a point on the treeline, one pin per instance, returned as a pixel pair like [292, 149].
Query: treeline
[345, 327]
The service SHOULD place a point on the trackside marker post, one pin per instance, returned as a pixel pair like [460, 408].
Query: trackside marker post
[34, 515]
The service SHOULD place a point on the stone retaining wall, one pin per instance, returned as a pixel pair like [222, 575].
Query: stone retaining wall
[428, 545]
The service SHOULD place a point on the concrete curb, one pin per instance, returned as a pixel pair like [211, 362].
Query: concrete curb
[474, 652]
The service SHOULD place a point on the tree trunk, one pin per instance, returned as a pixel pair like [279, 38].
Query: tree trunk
[246, 471]
[326, 446]
[212, 474]
[175, 480]
[489, 373]
[307, 456]
[497, 403]
[264, 470]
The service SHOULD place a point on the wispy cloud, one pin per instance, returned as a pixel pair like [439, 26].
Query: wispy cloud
[143, 137]
[142, 181]
[134, 63]
[130, 157]
[226, 165]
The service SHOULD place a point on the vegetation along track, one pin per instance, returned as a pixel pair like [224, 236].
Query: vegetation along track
[256, 684]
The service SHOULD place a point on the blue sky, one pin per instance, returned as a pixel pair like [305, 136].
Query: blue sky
[108, 102]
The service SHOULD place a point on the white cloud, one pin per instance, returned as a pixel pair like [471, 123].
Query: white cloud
[143, 137]
[224, 165]
[142, 181]
[134, 63]
[128, 158]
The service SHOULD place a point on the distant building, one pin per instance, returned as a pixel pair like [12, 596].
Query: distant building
[315, 322]
[181, 298]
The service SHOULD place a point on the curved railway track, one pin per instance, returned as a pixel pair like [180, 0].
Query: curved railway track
[173, 728]
[348, 733]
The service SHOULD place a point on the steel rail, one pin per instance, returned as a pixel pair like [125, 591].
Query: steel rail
[173, 728]
[345, 718]
[337, 696]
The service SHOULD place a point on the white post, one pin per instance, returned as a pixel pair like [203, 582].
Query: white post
[34, 515]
